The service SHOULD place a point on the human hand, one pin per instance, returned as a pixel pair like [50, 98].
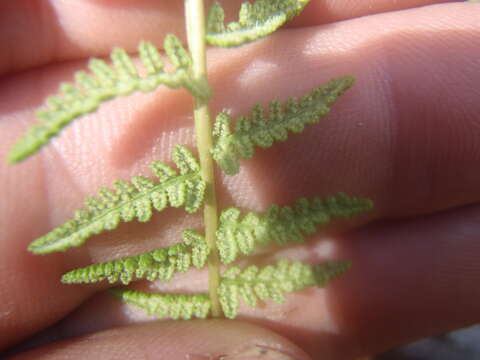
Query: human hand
[406, 135]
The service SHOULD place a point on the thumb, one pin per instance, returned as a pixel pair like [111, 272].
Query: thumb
[192, 340]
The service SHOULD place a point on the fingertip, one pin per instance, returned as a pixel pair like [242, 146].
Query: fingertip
[193, 340]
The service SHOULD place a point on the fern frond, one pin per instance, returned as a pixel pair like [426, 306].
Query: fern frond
[272, 282]
[130, 201]
[256, 20]
[237, 236]
[175, 306]
[256, 130]
[159, 264]
[106, 82]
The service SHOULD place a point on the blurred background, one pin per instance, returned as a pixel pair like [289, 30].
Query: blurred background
[458, 345]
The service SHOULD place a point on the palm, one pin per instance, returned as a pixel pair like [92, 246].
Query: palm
[405, 136]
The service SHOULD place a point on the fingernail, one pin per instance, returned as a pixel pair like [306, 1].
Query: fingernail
[258, 352]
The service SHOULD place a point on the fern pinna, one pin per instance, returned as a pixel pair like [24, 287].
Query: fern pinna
[228, 235]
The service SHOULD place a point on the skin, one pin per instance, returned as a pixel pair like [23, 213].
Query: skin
[406, 136]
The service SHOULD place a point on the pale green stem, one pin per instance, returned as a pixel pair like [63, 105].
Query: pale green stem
[195, 17]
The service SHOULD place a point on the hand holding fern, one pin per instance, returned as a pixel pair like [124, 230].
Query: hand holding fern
[397, 153]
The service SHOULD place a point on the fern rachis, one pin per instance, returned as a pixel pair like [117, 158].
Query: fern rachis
[227, 234]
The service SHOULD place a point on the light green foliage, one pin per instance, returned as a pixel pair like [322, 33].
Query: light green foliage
[175, 306]
[256, 20]
[130, 201]
[106, 82]
[252, 284]
[272, 282]
[237, 236]
[159, 264]
[258, 130]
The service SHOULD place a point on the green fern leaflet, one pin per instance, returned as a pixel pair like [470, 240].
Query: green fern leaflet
[130, 201]
[255, 21]
[256, 130]
[159, 264]
[237, 236]
[272, 282]
[107, 82]
[174, 306]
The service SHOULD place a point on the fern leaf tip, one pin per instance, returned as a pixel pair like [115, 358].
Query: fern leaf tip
[13, 158]
[23, 149]
[117, 291]
[41, 247]
[327, 271]
[69, 278]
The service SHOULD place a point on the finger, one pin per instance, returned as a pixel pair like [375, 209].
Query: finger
[35, 33]
[327, 11]
[193, 340]
[30, 298]
[64, 30]
[406, 134]
[409, 280]
[118, 141]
